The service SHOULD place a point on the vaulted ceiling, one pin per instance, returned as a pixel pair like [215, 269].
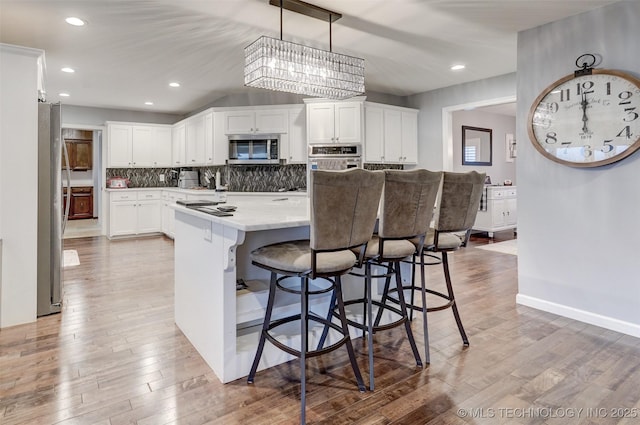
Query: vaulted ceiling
[130, 50]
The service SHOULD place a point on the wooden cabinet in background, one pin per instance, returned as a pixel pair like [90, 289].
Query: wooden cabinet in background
[80, 202]
[79, 148]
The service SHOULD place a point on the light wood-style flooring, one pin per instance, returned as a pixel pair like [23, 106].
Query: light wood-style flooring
[114, 356]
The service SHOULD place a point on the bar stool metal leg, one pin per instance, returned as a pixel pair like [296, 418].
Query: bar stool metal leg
[403, 308]
[452, 299]
[265, 327]
[369, 320]
[425, 327]
[304, 324]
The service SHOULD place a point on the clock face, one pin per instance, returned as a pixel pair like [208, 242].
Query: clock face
[587, 121]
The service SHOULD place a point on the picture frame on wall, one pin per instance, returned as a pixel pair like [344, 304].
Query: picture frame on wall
[510, 146]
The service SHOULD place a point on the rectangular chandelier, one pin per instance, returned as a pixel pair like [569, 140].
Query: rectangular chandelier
[290, 67]
[284, 66]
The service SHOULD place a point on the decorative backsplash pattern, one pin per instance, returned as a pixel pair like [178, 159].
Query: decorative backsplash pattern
[237, 178]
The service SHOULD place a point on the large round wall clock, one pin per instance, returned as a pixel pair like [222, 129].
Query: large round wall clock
[588, 118]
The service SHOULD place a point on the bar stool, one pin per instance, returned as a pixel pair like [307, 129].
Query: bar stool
[455, 215]
[405, 213]
[343, 215]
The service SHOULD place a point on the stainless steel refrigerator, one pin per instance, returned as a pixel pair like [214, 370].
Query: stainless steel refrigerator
[51, 220]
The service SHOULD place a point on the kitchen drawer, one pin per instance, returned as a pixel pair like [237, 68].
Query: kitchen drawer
[84, 189]
[123, 196]
[149, 195]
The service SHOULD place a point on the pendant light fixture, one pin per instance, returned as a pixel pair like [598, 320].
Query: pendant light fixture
[290, 67]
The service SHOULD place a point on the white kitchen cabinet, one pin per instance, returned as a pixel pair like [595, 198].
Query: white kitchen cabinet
[136, 145]
[134, 212]
[119, 145]
[293, 145]
[195, 140]
[168, 214]
[151, 146]
[178, 154]
[334, 122]
[501, 212]
[391, 134]
[256, 121]
[216, 142]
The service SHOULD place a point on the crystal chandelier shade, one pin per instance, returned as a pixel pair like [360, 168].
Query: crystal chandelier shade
[280, 65]
[284, 66]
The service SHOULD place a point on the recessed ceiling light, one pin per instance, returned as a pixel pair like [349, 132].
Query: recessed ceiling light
[72, 20]
[174, 84]
[457, 67]
[63, 94]
[69, 70]
[148, 103]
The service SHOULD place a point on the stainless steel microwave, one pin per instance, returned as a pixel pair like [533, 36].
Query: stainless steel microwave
[254, 149]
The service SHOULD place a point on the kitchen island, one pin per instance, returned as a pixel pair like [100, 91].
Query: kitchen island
[211, 255]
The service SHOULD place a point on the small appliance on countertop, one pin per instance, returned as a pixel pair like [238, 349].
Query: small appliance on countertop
[117, 183]
[188, 179]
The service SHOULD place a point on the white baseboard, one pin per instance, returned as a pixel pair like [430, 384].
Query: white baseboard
[610, 323]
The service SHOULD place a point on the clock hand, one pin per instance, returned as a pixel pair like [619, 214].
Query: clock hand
[584, 104]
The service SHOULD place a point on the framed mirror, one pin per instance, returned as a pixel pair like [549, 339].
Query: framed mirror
[477, 145]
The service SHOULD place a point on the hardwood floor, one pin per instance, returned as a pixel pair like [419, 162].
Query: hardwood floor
[114, 356]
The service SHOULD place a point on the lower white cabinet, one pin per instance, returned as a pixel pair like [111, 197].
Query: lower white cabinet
[501, 210]
[169, 214]
[135, 212]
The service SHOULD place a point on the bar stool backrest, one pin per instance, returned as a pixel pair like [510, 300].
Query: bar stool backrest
[344, 206]
[459, 201]
[407, 203]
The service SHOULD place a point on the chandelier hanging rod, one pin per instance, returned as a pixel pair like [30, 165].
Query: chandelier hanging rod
[310, 10]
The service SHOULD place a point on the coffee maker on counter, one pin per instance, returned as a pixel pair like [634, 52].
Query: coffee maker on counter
[188, 179]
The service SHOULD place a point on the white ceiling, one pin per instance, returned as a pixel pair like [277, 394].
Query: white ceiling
[130, 50]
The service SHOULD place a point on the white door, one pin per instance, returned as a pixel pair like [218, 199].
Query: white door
[374, 134]
[162, 147]
[392, 136]
[149, 214]
[348, 122]
[410, 137]
[177, 146]
[272, 121]
[119, 145]
[142, 146]
[122, 218]
[320, 123]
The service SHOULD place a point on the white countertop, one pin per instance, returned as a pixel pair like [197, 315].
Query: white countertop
[211, 192]
[260, 211]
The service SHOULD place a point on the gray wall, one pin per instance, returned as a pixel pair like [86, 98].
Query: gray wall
[268, 97]
[72, 114]
[500, 170]
[578, 229]
[430, 104]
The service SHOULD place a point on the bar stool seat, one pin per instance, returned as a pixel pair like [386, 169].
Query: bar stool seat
[295, 257]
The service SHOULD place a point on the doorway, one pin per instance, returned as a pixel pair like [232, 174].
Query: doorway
[448, 130]
[82, 181]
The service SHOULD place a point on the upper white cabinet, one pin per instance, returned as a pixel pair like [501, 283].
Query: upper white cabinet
[138, 145]
[391, 134]
[200, 140]
[293, 145]
[256, 121]
[334, 122]
[195, 140]
[119, 145]
[178, 154]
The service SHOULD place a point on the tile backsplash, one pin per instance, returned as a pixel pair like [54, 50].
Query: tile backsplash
[237, 178]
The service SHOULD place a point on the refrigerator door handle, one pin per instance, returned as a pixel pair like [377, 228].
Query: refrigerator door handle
[65, 217]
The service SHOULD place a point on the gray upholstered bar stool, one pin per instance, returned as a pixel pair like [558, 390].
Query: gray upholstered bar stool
[344, 205]
[455, 215]
[406, 210]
